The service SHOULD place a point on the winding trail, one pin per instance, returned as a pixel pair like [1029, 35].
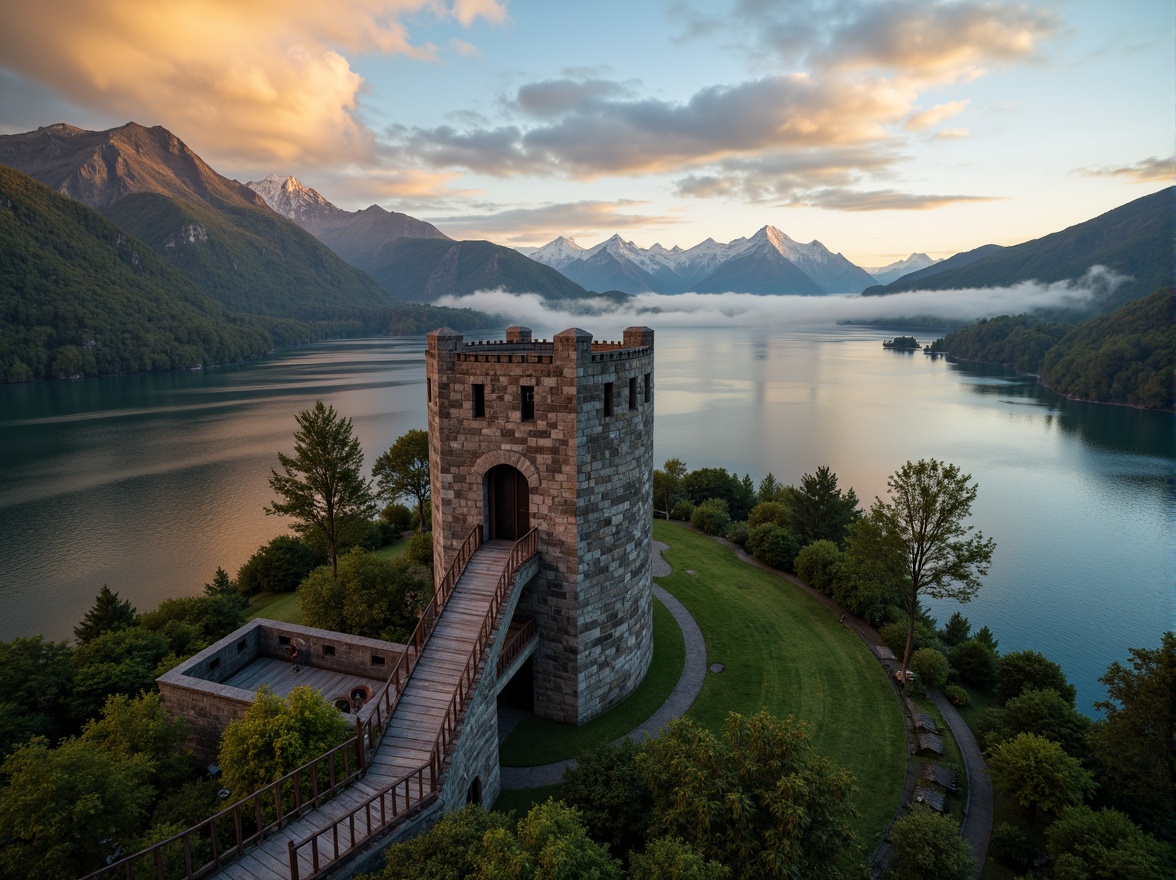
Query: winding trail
[680, 699]
[976, 827]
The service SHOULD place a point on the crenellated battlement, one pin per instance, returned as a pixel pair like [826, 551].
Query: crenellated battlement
[556, 435]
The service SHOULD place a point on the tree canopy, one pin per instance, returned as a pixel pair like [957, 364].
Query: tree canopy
[322, 485]
[819, 510]
[756, 799]
[929, 847]
[276, 736]
[108, 614]
[1132, 741]
[370, 596]
[1037, 773]
[403, 471]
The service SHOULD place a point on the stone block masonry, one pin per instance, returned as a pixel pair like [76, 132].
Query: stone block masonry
[558, 436]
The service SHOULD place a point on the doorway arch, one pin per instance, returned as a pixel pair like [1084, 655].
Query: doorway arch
[508, 502]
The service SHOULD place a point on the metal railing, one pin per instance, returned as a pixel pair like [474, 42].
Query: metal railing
[356, 834]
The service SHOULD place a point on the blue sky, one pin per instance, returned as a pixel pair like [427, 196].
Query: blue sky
[879, 127]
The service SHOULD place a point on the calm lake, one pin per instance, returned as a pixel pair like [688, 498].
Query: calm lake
[148, 483]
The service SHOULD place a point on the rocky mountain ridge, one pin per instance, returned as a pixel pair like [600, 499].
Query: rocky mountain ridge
[768, 262]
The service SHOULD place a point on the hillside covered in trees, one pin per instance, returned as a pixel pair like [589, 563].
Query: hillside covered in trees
[1125, 357]
[80, 297]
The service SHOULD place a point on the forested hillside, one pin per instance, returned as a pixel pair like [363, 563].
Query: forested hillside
[1133, 240]
[79, 297]
[1125, 357]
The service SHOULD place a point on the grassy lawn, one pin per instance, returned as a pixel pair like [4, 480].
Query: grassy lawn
[785, 653]
[286, 607]
[538, 741]
[394, 550]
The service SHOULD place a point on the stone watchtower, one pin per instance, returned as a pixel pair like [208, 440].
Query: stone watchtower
[556, 436]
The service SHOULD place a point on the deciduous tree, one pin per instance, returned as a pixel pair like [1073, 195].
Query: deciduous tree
[1037, 773]
[1133, 740]
[1103, 845]
[322, 486]
[276, 736]
[918, 539]
[669, 858]
[278, 566]
[550, 843]
[63, 811]
[403, 472]
[611, 795]
[928, 846]
[757, 799]
[371, 596]
[1022, 671]
[36, 677]
[1046, 713]
[667, 484]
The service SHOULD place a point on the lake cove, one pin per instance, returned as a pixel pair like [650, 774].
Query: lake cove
[149, 482]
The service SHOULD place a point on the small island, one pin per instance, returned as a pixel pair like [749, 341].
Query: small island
[903, 343]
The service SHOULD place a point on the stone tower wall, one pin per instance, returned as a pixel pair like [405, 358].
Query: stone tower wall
[589, 479]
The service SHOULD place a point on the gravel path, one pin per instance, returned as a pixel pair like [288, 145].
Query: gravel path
[679, 700]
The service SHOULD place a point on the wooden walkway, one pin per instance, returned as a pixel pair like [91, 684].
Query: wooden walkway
[414, 725]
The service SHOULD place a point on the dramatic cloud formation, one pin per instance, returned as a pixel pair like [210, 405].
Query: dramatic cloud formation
[259, 80]
[744, 310]
[548, 221]
[848, 86]
[1149, 170]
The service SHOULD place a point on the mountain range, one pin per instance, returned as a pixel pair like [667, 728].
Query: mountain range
[768, 262]
[215, 231]
[79, 296]
[411, 259]
[1134, 240]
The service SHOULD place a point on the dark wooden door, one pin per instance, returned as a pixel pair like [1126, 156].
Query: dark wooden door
[510, 516]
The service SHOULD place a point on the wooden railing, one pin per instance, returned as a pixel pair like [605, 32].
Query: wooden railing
[218, 840]
[515, 644]
[523, 550]
[386, 698]
[204, 835]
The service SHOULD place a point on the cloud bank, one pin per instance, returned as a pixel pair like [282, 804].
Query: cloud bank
[748, 310]
[260, 80]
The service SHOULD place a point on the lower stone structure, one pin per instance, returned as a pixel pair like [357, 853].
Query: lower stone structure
[200, 690]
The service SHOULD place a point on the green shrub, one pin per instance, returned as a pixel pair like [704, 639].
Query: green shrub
[975, 663]
[398, 517]
[817, 564]
[768, 512]
[956, 694]
[683, 511]
[737, 533]
[279, 566]
[614, 801]
[711, 517]
[931, 667]
[774, 546]
[420, 550]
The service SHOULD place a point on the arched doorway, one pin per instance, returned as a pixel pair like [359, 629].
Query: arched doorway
[509, 499]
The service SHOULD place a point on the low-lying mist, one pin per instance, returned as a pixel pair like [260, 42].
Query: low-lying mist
[944, 307]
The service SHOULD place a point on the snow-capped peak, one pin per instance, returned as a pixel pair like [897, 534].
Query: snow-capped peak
[288, 197]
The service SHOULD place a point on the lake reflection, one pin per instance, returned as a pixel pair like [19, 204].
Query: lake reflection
[148, 483]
